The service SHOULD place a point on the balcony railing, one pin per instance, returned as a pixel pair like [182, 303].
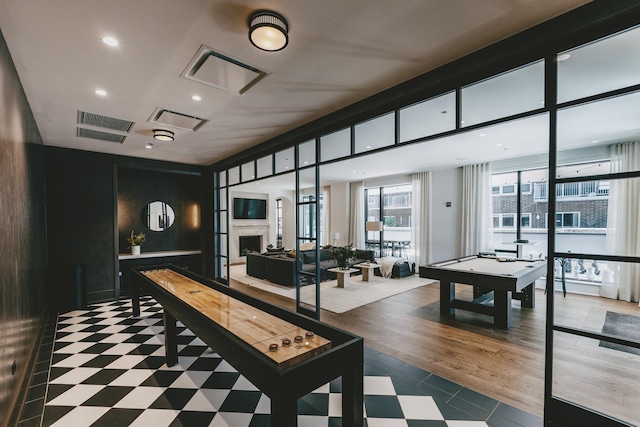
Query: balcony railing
[571, 190]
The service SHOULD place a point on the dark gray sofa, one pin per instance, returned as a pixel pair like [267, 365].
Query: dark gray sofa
[279, 268]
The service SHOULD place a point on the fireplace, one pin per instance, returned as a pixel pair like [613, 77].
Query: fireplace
[249, 244]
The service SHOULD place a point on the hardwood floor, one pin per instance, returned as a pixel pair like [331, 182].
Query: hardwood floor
[505, 365]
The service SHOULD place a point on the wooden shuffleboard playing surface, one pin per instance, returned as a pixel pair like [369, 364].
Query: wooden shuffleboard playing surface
[253, 326]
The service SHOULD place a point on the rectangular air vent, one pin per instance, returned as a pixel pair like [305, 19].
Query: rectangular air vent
[97, 120]
[102, 136]
[176, 120]
[221, 71]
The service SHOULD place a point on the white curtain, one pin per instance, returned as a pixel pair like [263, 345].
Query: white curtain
[356, 214]
[476, 208]
[420, 214]
[623, 225]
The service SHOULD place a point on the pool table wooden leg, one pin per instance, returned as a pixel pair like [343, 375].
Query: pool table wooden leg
[447, 295]
[502, 309]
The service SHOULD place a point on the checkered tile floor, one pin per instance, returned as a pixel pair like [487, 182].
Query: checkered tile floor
[107, 369]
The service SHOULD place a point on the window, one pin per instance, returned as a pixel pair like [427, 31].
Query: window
[495, 189]
[279, 223]
[508, 221]
[525, 220]
[393, 206]
[509, 189]
[567, 219]
[525, 188]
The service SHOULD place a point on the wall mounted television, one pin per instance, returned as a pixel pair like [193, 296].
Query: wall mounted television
[249, 208]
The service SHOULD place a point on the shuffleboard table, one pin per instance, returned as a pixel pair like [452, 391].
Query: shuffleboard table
[506, 279]
[284, 354]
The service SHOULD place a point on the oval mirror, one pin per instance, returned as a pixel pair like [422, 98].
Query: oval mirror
[158, 216]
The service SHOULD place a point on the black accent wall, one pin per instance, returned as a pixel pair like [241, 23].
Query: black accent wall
[22, 233]
[86, 226]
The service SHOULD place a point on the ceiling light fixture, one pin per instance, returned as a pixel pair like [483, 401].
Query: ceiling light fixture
[163, 135]
[149, 146]
[110, 41]
[100, 92]
[268, 30]
[196, 98]
[563, 57]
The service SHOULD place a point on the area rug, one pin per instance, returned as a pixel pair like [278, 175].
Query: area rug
[333, 298]
[622, 325]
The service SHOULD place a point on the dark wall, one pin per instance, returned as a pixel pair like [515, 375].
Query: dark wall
[182, 192]
[22, 232]
[87, 228]
[80, 222]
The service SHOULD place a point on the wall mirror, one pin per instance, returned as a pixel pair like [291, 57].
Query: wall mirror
[158, 216]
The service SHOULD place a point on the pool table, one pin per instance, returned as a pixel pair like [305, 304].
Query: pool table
[506, 279]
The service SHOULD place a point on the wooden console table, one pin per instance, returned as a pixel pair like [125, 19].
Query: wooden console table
[241, 329]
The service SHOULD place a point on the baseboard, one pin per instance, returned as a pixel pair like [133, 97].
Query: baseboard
[16, 403]
[100, 296]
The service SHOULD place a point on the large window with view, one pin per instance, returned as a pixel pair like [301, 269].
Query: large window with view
[580, 220]
[392, 207]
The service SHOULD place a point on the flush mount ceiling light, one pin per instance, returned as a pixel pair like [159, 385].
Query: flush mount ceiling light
[163, 135]
[268, 30]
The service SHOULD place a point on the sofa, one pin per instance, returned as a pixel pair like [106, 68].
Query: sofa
[280, 268]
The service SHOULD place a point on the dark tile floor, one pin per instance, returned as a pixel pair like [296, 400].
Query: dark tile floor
[102, 367]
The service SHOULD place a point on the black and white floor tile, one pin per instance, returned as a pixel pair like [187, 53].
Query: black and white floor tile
[107, 369]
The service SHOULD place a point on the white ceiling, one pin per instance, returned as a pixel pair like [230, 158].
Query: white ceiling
[339, 52]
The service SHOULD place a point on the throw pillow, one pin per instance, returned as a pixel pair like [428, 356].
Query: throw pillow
[292, 253]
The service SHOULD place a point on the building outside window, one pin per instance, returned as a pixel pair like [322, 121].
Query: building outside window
[394, 210]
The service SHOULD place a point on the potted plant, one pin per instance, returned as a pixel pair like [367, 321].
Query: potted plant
[342, 255]
[136, 240]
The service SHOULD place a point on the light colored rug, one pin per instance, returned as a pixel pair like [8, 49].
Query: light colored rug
[333, 298]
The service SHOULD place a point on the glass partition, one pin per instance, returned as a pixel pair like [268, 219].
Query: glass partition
[248, 172]
[429, 117]
[336, 145]
[376, 133]
[265, 166]
[605, 65]
[234, 175]
[511, 93]
[285, 160]
[597, 374]
[307, 153]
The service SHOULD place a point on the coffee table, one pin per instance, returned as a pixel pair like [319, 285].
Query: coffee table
[343, 275]
[367, 270]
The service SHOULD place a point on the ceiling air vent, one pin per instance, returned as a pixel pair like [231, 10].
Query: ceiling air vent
[176, 120]
[102, 136]
[221, 71]
[97, 120]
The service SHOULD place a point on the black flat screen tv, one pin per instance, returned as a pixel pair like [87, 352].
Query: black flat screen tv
[249, 208]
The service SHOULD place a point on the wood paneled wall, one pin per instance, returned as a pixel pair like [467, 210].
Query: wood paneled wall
[22, 233]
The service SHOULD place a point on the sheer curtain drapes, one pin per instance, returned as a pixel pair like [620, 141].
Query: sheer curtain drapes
[476, 208]
[623, 224]
[356, 214]
[420, 213]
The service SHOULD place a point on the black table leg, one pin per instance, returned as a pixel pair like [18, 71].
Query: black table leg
[170, 339]
[447, 295]
[502, 309]
[284, 410]
[352, 398]
[135, 300]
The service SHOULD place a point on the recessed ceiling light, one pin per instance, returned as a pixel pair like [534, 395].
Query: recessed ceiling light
[100, 92]
[483, 134]
[149, 146]
[306, 163]
[110, 41]
[563, 57]
[595, 141]
[368, 146]
[498, 145]
[196, 98]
